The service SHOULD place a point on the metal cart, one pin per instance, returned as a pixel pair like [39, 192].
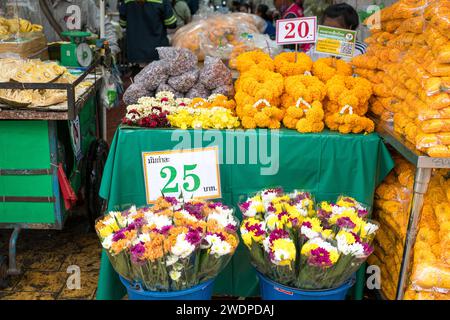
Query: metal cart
[47, 157]
[424, 167]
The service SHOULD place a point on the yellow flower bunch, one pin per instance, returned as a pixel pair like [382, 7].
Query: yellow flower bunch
[309, 88]
[262, 115]
[353, 91]
[349, 122]
[292, 63]
[202, 118]
[219, 100]
[261, 84]
[251, 59]
[305, 120]
[326, 68]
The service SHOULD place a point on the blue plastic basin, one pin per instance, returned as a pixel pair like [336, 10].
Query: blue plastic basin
[202, 291]
[271, 290]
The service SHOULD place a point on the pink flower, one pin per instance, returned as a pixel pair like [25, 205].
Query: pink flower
[320, 257]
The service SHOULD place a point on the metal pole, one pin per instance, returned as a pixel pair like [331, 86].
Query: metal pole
[103, 36]
[422, 179]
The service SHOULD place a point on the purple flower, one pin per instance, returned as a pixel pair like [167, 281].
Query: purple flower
[281, 214]
[136, 224]
[278, 191]
[323, 215]
[244, 206]
[194, 237]
[320, 258]
[195, 209]
[217, 204]
[307, 224]
[230, 228]
[368, 249]
[256, 229]
[271, 208]
[137, 252]
[362, 213]
[164, 230]
[357, 238]
[172, 200]
[119, 235]
[220, 235]
[345, 222]
[294, 221]
[301, 196]
[278, 234]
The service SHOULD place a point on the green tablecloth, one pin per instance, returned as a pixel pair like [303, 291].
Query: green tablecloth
[327, 164]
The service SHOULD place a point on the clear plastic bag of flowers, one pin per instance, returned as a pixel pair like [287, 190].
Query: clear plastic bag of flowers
[117, 233]
[269, 229]
[176, 244]
[340, 242]
[295, 244]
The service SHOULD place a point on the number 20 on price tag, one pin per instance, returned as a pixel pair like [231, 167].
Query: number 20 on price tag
[190, 173]
[299, 30]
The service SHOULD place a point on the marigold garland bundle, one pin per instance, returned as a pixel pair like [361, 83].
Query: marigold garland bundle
[292, 63]
[309, 88]
[305, 120]
[251, 59]
[327, 68]
[261, 115]
[348, 90]
[349, 122]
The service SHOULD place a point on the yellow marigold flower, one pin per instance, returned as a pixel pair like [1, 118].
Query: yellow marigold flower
[251, 59]
[326, 68]
[286, 64]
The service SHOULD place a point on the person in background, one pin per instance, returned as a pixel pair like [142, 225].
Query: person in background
[235, 6]
[289, 9]
[193, 6]
[146, 28]
[182, 12]
[59, 17]
[269, 3]
[262, 11]
[245, 7]
[342, 16]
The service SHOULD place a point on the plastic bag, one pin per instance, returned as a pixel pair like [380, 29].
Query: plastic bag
[112, 87]
[198, 90]
[183, 83]
[178, 60]
[135, 92]
[153, 75]
[215, 74]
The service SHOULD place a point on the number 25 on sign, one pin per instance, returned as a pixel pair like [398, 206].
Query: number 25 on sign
[294, 31]
[191, 173]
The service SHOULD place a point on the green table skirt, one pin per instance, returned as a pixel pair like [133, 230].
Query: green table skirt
[327, 164]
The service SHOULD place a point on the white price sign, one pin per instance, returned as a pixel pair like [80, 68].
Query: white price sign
[192, 173]
[298, 30]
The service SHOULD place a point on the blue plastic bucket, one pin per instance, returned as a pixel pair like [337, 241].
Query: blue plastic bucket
[271, 290]
[202, 291]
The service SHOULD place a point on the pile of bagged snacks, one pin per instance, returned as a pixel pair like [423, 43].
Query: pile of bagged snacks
[430, 277]
[408, 62]
[177, 71]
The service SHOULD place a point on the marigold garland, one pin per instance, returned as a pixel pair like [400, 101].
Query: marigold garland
[262, 115]
[292, 63]
[349, 122]
[326, 68]
[348, 90]
[257, 58]
[309, 88]
[305, 120]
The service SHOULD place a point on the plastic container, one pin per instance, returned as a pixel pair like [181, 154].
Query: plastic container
[271, 290]
[202, 291]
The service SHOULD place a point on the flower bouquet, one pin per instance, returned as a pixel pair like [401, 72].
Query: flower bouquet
[297, 243]
[173, 245]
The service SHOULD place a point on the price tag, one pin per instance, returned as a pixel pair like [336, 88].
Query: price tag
[335, 41]
[190, 173]
[298, 30]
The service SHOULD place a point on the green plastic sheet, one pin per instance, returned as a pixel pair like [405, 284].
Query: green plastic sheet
[327, 164]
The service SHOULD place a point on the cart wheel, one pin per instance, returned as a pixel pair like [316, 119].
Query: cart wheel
[4, 283]
[95, 163]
